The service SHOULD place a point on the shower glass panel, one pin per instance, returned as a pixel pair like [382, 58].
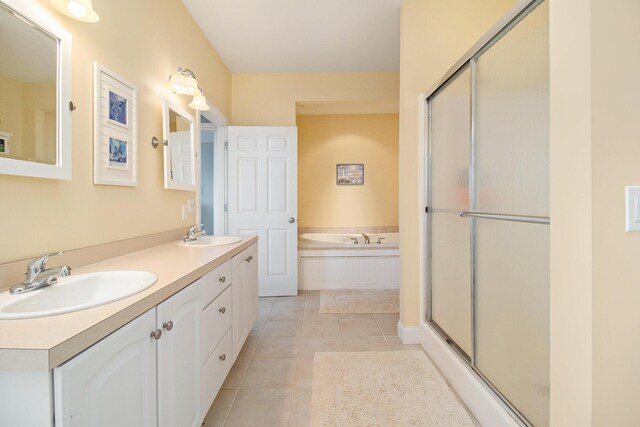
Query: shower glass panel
[450, 245]
[512, 177]
[512, 313]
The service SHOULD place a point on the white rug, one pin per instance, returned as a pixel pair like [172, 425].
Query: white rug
[359, 301]
[386, 388]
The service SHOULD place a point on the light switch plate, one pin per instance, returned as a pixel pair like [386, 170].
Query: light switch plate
[191, 205]
[184, 212]
[632, 207]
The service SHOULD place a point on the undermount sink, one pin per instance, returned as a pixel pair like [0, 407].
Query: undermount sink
[74, 293]
[212, 241]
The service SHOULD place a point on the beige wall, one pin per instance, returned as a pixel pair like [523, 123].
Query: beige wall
[433, 36]
[144, 41]
[270, 99]
[326, 140]
[615, 153]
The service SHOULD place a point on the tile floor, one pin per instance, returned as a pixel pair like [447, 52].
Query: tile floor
[270, 383]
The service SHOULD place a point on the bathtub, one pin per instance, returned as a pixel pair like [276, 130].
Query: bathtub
[331, 240]
[335, 261]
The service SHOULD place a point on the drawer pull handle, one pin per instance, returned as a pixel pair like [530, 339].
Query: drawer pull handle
[156, 334]
[222, 310]
[249, 259]
[222, 279]
[168, 326]
[223, 357]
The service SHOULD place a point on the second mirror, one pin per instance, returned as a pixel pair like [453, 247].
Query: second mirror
[179, 153]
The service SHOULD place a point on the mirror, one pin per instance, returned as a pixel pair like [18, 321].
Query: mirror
[35, 118]
[179, 152]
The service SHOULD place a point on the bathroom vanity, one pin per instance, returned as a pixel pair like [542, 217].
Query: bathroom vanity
[157, 358]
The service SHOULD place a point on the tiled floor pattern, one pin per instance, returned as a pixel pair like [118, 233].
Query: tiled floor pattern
[270, 383]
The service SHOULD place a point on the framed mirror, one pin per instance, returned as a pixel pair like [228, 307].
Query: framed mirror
[179, 151]
[35, 92]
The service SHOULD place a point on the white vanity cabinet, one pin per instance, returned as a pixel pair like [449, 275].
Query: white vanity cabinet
[245, 296]
[117, 382]
[113, 383]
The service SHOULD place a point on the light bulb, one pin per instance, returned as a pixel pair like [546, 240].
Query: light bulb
[76, 9]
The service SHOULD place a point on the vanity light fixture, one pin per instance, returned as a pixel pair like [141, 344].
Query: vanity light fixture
[81, 10]
[183, 82]
[199, 101]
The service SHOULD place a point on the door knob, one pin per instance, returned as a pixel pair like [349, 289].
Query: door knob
[292, 220]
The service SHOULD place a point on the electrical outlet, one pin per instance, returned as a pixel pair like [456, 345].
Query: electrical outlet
[184, 212]
[191, 205]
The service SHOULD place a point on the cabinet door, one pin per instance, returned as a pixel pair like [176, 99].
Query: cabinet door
[179, 359]
[251, 287]
[239, 302]
[113, 383]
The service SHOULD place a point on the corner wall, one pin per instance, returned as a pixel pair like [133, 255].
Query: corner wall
[144, 41]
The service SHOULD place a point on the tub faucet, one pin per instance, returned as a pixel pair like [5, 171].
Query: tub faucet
[193, 233]
[38, 276]
[366, 238]
[355, 240]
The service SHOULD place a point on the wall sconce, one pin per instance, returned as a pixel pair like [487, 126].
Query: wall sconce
[184, 82]
[199, 101]
[81, 10]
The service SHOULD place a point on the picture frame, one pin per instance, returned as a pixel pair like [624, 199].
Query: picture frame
[115, 129]
[5, 143]
[350, 174]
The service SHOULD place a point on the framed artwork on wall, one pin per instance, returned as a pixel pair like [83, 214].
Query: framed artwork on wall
[5, 143]
[115, 151]
[350, 174]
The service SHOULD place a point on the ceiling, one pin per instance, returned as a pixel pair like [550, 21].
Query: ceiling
[297, 36]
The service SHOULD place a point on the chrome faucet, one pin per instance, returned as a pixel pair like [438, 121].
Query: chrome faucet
[38, 276]
[355, 240]
[366, 238]
[194, 232]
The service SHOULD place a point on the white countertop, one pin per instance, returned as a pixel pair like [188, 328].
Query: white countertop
[46, 342]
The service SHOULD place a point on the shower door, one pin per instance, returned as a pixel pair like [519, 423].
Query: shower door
[488, 218]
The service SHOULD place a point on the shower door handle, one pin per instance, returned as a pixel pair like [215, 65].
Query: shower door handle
[292, 220]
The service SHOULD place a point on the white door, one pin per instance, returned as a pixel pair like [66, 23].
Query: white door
[181, 159]
[112, 383]
[263, 200]
[179, 359]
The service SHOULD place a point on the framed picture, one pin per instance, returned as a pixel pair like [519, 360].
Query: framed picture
[5, 143]
[350, 174]
[115, 149]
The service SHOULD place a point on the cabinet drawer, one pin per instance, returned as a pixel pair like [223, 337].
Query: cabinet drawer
[215, 370]
[216, 320]
[215, 282]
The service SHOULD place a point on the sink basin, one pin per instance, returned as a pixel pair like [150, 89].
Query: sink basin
[75, 292]
[213, 241]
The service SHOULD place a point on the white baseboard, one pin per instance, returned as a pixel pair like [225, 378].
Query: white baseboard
[408, 334]
[480, 401]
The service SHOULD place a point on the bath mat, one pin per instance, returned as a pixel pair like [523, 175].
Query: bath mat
[382, 388]
[359, 301]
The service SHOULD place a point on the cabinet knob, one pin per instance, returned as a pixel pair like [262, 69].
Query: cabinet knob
[223, 357]
[222, 310]
[168, 325]
[156, 334]
[222, 279]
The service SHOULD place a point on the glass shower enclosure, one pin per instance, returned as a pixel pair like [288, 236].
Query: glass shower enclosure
[488, 219]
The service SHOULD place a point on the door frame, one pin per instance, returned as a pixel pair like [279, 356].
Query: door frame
[220, 122]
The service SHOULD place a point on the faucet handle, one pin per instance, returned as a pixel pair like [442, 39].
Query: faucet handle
[193, 229]
[38, 264]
